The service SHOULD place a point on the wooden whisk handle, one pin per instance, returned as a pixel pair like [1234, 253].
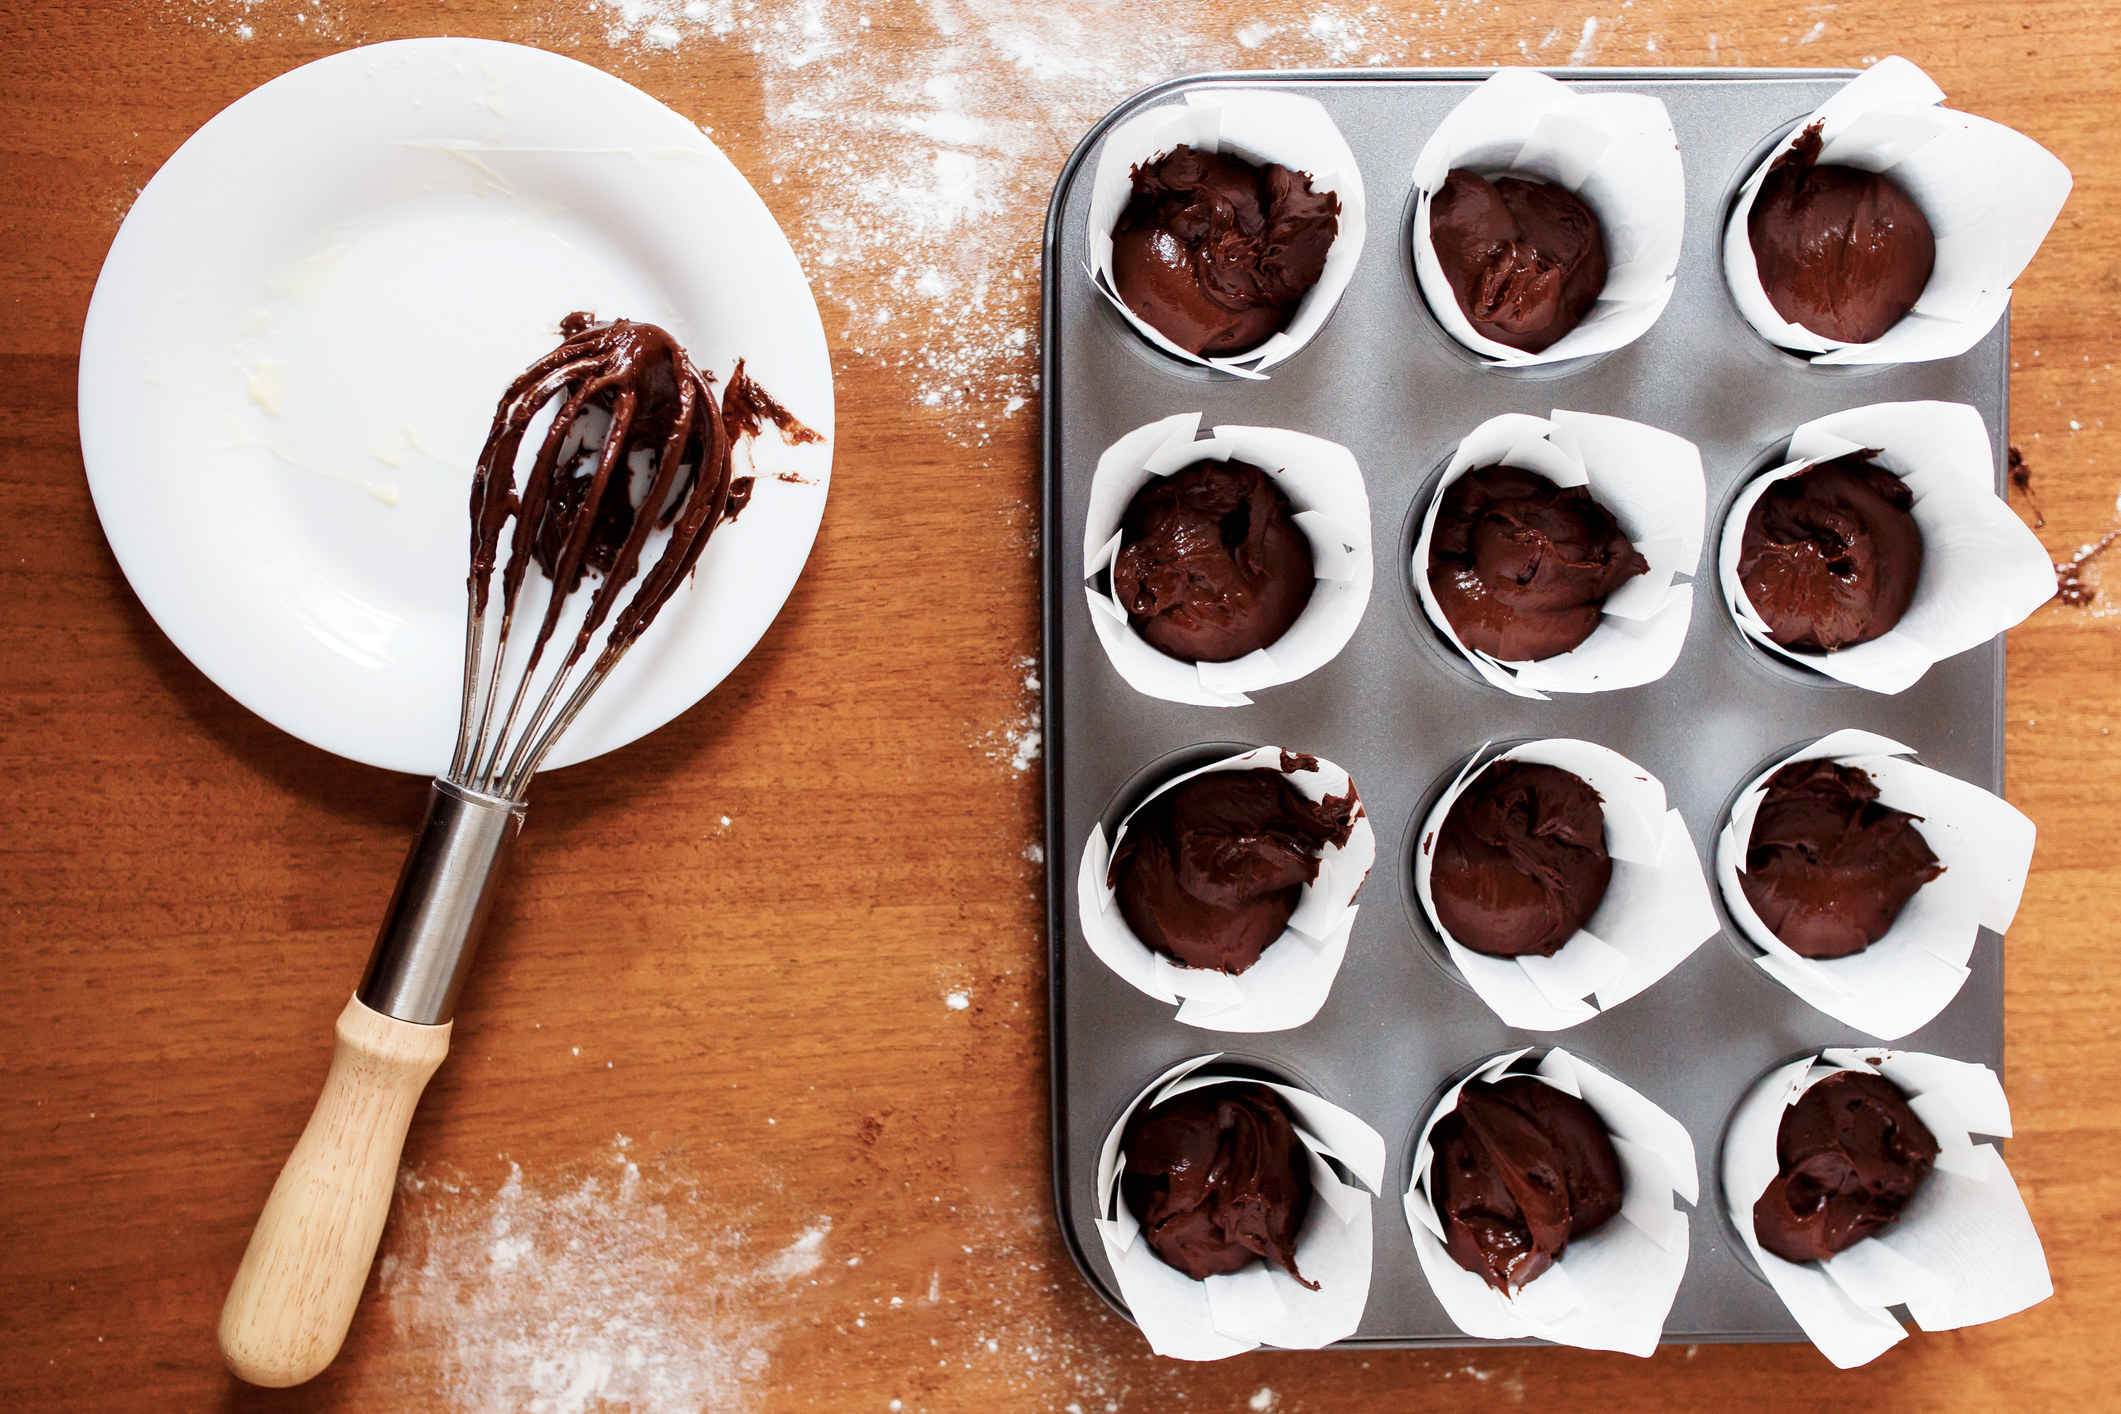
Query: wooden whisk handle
[294, 1296]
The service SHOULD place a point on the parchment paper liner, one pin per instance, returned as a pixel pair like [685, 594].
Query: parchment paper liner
[1655, 913]
[1990, 195]
[1983, 569]
[1289, 983]
[1652, 483]
[1332, 507]
[1615, 151]
[1261, 1305]
[1963, 1252]
[1612, 1288]
[1260, 126]
[1904, 979]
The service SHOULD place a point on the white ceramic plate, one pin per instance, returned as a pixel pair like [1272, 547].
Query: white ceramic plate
[299, 335]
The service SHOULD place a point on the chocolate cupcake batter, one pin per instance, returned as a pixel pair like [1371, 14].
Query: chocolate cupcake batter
[1210, 871]
[1831, 556]
[1212, 564]
[1218, 1179]
[1843, 252]
[1829, 868]
[1853, 1156]
[1525, 259]
[1214, 253]
[1522, 567]
[1520, 1169]
[1520, 860]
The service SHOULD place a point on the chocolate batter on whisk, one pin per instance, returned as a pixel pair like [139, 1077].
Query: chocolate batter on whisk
[577, 512]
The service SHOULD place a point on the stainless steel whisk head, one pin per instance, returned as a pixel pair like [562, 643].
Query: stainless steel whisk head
[575, 514]
[627, 406]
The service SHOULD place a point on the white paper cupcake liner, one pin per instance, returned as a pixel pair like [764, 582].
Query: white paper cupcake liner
[1655, 913]
[1904, 979]
[1983, 569]
[1332, 507]
[1615, 151]
[1289, 983]
[1262, 1305]
[1990, 195]
[1259, 126]
[1612, 1288]
[1652, 483]
[1963, 1252]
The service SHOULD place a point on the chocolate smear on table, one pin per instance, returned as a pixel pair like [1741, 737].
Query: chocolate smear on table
[1830, 557]
[1215, 253]
[1209, 872]
[1521, 567]
[1218, 1180]
[2070, 587]
[1212, 565]
[2022, 482]
[1520, 861]
[1525, 259]
[1829, 866]
[1520, 1169]
[1852, 1156]
[1843, 252]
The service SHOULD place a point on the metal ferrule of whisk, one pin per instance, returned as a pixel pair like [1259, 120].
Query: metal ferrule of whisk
[509, 715]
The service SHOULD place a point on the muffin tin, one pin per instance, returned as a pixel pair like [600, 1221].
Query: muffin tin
[1401, 711]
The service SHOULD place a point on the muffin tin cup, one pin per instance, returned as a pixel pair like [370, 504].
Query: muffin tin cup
[1652, 483]
[1332, 507]
[1615, 151]
[1983, 569]
[1293, 976]
[1261, 1305]
[1612, 1288]
[1963, 1251]
[1260, 126]
[1904, 979]
[1990, 194]
[1656, 910]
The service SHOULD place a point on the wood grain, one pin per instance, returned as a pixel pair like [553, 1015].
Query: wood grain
[721, 976]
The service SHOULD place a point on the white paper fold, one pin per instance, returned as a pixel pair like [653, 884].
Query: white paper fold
[1259, 126]
[1612, 1288]
[1615, 151]
[1655, 913]
[1332, 506]
[1964, 1250]
[1983, 569]
[1652, 483]
[1990, 195]
[1262, 1305]
[1289, 983]
[1904, 979]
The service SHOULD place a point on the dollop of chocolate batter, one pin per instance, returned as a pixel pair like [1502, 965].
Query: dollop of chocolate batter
[1210, 871]
[1853, 1155]
[1525, 259]
[1843, 252]
[1831, 556]
[1214, 253]
[1520, 1168]
[1522, 567]
[1218, 1180]
[1520, 860]
[1829, 868]
[1212, 564]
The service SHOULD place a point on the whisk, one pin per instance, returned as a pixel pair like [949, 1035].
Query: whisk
[589, 504]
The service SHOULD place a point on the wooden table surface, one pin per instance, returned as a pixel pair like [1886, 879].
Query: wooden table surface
[747, 1103]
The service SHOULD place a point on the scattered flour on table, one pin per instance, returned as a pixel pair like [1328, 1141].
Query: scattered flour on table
[602, 1288]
